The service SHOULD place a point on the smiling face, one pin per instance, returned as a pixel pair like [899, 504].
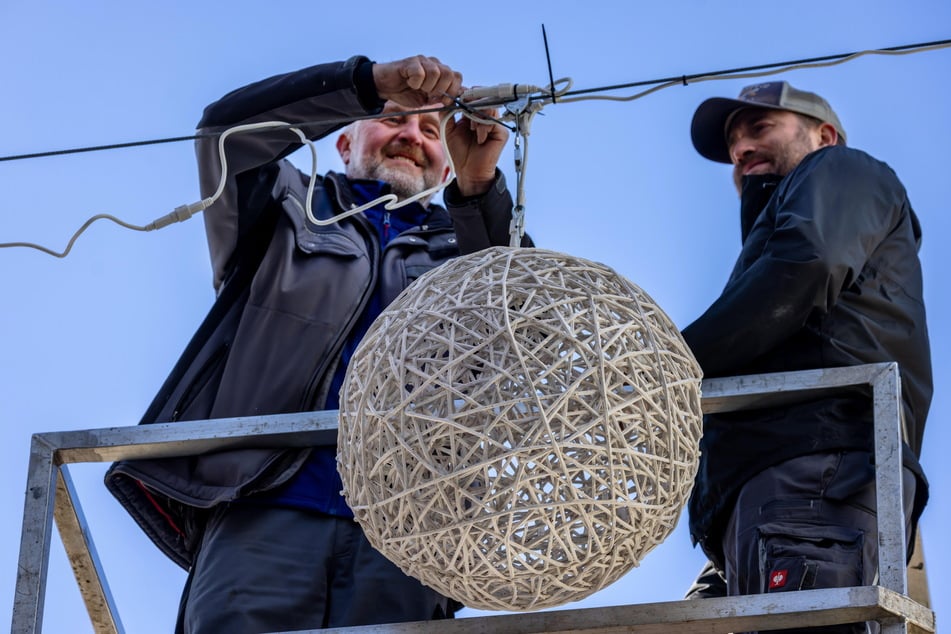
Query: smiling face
[400, 149]
[766, 141]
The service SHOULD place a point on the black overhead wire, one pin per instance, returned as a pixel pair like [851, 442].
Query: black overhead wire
[97, 148]
[723, 74]
[682, 79]
[176, 139]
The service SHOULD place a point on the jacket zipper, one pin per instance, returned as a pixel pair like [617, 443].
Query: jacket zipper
[313, 384]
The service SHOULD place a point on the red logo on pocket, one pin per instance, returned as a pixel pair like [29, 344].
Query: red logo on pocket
[777, 578]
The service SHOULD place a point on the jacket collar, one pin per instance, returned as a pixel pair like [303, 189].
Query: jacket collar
[756, 191]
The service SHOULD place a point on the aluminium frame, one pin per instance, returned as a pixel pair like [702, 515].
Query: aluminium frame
[51, 498]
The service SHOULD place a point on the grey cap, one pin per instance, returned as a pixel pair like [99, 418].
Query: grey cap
[709, 126]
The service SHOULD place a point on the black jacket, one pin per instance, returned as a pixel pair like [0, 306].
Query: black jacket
[289, 292]
[828, 276]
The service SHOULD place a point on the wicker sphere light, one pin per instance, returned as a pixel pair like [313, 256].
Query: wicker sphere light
[519, 428]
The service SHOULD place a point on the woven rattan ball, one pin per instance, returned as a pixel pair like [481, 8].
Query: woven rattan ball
[519, 428]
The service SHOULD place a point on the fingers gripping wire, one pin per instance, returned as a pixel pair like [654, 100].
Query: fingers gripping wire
[521, 110]
[521, 102]
[522, 114]
[391, 201]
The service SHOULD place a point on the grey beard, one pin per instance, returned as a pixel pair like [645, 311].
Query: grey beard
[402, 184]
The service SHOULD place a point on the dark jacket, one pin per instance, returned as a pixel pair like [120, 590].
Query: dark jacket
[828, 276]
[289, 292]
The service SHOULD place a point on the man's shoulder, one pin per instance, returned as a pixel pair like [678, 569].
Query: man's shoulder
[841, 156]
[843, 165]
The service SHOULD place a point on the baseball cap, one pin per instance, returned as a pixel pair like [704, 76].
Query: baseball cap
[709, 126]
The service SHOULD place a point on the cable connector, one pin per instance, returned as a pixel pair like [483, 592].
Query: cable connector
[180, 214]
[500, 93]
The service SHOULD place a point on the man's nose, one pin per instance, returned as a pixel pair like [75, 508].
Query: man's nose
[742, 145]
[411, 132]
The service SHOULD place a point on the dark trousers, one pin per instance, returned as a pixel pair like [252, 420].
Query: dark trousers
[263, 569]
[808, 523]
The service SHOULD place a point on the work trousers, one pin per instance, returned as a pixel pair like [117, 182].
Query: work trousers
[265, 569]
[808, 523]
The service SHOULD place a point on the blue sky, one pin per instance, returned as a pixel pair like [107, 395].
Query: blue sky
[87, 340]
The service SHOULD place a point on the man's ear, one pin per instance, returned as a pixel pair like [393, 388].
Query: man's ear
[445, 174]
[828, 135]
[343, 147]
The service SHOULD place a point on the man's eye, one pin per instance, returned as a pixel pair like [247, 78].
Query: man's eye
[393, 120]
[431, 132]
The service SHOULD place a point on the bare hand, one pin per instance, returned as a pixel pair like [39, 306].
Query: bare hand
[475, 148]
[417, 81]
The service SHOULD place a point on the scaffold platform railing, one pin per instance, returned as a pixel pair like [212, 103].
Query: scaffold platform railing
[52, 499]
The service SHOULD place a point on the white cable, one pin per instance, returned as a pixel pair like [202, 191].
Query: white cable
[184, 212]
[180, 214]
[485, 96]
[389, 201]
[69, 245]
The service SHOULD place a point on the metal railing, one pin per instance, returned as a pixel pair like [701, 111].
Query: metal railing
[51, 497]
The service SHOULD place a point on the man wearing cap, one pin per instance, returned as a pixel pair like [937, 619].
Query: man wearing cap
[828, 275]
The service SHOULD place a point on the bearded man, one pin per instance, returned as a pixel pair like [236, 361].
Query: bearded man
[828, 275]
[267, 538]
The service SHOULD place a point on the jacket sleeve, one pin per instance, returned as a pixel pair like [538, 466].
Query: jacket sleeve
[482, 221]
[324, 97]
[831, 213]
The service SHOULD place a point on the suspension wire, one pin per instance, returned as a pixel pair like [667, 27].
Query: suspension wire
[522, 109]
[98, 148]
[812, 62]
[746, 71]
[210, 133]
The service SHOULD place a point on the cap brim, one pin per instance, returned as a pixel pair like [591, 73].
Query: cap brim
[708, 128]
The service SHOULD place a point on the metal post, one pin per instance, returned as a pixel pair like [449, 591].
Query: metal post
[892, 572]
[35, 540]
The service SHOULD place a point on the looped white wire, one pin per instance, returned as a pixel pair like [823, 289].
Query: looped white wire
[389, 201]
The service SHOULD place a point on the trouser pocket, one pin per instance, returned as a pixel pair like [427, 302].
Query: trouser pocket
[796, 556]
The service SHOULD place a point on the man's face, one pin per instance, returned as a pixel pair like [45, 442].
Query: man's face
[765, 141]
[400, 149]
